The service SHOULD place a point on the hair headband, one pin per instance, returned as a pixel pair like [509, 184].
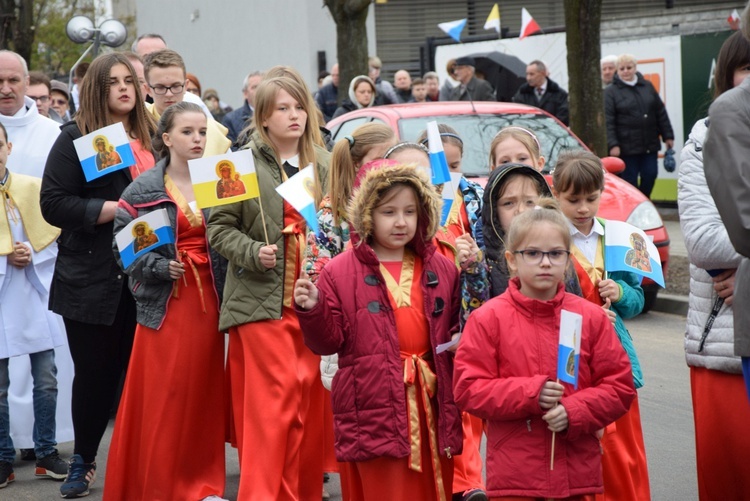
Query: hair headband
[527, 131]
[444, 134]
[405, 144]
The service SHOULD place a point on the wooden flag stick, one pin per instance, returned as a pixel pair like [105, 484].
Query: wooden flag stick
[263, 218]
[552, 455]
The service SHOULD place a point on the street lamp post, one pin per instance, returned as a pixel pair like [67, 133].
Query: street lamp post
[80, 29]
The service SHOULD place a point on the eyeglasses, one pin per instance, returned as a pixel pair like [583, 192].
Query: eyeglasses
[59, 102]
[41, 99]
[534, 257]
[160, 90]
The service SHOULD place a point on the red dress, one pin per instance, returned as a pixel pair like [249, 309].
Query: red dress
[279, 438]
[168, 442]
[391, 478]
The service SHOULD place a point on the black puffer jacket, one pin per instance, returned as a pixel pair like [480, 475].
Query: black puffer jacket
[636, 117]
[554, 101]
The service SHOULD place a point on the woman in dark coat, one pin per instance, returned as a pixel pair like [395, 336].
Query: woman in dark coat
[637, 122]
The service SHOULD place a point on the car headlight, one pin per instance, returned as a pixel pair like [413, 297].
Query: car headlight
[646, 217]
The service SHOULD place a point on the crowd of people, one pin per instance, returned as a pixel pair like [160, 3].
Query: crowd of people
[381, 347]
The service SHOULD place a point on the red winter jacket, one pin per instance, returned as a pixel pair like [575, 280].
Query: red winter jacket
[508, 351]
[354, 318]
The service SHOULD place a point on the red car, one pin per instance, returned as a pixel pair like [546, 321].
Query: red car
[477, 123]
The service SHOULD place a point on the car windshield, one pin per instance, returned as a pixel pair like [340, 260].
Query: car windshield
[477, 132]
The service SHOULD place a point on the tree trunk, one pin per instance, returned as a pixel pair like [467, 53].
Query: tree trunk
[7, 21]
[351, 39]
[23, 36]
[582, 23]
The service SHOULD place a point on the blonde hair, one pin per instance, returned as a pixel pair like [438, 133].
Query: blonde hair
[523, 136]
[93, 112]
[547, 211]
[626, 58]
[314, 120]
[265, 104]
[346, 159]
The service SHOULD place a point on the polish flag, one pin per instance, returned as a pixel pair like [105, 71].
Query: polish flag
[528, 25]
[734, 20]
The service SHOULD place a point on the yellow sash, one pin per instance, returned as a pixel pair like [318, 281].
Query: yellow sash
[595, 271]
[401, 290]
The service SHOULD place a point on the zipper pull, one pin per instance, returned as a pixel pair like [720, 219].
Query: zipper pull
[448, 452]
[528, 424]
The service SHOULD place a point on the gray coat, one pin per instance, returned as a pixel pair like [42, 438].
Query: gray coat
[708, 248]
[727, 152]
[149, 278]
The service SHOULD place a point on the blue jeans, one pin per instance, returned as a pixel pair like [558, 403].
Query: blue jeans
[645, 165]
[44, 373]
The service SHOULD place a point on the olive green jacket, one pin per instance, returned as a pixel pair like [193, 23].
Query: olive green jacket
[253, 292]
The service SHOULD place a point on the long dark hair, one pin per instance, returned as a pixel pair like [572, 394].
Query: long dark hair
[734, 54]
[166, 123]
[93, 112]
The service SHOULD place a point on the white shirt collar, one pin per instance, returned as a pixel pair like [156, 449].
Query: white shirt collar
[597, 228]
[294, 161]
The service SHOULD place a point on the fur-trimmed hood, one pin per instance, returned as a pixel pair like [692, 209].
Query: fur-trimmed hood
[369, 194]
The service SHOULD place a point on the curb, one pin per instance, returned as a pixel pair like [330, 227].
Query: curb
[671, 303]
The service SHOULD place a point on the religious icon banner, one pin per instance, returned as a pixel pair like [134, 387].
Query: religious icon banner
[224, 179]
[627, 248]
[103, 151]
[144, 234]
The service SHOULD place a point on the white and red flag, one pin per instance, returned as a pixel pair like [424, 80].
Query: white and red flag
[528, 25]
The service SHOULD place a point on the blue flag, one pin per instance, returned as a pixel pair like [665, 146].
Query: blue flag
[144, 234]
[569, 348]
[439, 165]
[299, 191]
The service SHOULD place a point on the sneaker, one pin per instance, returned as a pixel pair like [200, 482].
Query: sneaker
[80, 477]
[28, 455]
[470, 495]
[52, 466]
[6, 473]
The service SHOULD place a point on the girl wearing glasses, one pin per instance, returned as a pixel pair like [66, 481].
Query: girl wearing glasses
[579, 181]
[506, 372]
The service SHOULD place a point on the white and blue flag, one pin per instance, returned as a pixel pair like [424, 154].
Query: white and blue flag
[627, 248]
[144, 234]
[569, 347]
[299, 191]
[103, 151]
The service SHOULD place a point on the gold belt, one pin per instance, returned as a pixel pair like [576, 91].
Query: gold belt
[416, 367]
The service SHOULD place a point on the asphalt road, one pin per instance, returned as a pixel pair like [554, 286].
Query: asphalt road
[666, 413]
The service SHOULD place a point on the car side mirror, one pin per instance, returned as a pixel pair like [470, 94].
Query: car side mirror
[613, 165]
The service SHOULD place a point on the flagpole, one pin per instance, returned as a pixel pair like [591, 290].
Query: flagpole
[552, 455]
[263, 218]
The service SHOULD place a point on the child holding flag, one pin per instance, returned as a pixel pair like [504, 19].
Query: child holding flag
[176, 372]
[578, 182]
[270, 369]
[394, 415]
[506, 371]
[454, 240]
